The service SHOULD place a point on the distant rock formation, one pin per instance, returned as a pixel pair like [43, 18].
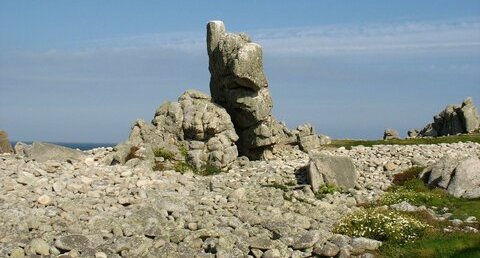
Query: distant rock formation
[454, 119]
[390, 134]
[238, 84]
[5, 146]
[204, 127]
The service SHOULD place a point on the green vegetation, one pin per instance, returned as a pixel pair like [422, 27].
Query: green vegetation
[428, 241]
[182, 167]
[182, 147]
[410, 141]
[207, 170]
[164, 153]
[437, 244]
[409, 174]
[383, 225]
[326, 189]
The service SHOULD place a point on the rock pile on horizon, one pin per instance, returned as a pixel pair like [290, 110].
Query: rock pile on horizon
[454, 119]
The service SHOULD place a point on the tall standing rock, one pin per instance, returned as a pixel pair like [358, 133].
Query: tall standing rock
[238, 84]
[5, 146]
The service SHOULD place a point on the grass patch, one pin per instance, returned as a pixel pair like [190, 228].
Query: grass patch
[208, 170]
[410, 141]
[182, 167]
[182, 147]
[326, 189]
[409, 174]
[438, 244]
[164, 153]
[159, 166]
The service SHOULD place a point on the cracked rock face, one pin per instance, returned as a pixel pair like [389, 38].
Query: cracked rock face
[238, 84]
[204, 127]
[454, 119]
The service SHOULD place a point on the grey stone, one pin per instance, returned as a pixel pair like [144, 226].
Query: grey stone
[391, 134]
[39, 246]
[5, 146]
[70, 242]
[42, 152]
[328, 250]
[306, 240]
[366, 243]
[413, 133]
[331, 170]
[466, 180]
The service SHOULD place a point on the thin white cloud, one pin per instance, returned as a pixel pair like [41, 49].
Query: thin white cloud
[322, 40]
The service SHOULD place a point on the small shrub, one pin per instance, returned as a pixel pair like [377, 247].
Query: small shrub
[409, 174]
[326, 189]
[183, 149]
[383, 225]
[182, 167]
[208, 169]
[132, 154]
[164, 153]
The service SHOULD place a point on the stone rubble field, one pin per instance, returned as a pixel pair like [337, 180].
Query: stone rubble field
[256, 209]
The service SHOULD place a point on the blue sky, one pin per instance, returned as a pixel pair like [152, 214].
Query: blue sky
[83, 71]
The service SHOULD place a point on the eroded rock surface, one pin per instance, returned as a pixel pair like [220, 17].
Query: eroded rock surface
[454, 119]
[203, 128]
[5, 146]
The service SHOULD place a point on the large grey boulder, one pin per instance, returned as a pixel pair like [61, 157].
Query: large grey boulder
[460, 176]
[331, 170]
[454, 119]
[466, 180]
[195, 123]
[5, 146]
[42, 152]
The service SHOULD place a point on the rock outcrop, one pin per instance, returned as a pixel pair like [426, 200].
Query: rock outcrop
[238, 83]
[203, 128]
[460, 176]
[5, 146]
[390, 134]
[454, 119]
[326, 169]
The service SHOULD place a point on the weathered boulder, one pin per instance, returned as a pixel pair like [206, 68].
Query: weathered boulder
[5, 146]
[194, 123]
[389, 134]
[331, 170]
[454, 119]
[460, 176]
[412, 133]
[466, 180]
[238, 83]
[42, 152]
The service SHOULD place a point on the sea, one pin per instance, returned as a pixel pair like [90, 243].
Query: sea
[76, 145]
